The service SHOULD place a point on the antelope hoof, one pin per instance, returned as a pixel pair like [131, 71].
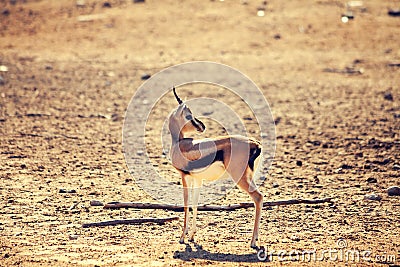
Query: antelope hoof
[191, 236]
[182, 240]
[253, 244]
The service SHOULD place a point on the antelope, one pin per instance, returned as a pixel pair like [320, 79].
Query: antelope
[209, 159]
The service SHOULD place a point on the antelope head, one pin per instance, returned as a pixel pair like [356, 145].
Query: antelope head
[183, 121]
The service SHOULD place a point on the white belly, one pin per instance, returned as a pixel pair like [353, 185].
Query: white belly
[211, 173]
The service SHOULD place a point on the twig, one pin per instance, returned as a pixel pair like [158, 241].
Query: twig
[347, 70]
[394, 64]
[48, 136]
[244, 205]
[131, 221]
[74, 205]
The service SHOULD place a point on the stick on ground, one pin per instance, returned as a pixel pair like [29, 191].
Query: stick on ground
[245, 205]
[130, 221]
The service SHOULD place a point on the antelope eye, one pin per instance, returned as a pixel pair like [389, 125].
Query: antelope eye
[189, 117]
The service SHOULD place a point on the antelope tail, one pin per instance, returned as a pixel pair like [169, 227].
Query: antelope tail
[255, 151]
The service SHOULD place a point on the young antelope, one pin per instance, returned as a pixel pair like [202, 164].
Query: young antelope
[210, 159]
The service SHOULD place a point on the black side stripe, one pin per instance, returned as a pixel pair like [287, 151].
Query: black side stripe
[204, 162]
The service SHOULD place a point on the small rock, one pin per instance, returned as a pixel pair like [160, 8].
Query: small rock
[73, 237]
[65, 191]
[275, 185]
[5, 12]
[80, 3]
[107, 4]
[295, 238]
[372, 197]
[346, 167]
[277, 36]
[263, 178]
[396, 167]
[393, 191]
[388, 96]
[2, 82]
[372, 180]
[145, 76]
[139, 152]
[394, 12]
[299, 163]
[95, 203]
[138, 1]
[359, 155]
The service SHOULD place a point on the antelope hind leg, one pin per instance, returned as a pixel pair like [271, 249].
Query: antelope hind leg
[247, 184]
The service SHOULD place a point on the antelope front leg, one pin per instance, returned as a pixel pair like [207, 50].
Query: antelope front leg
[186, 209]
[196, 193]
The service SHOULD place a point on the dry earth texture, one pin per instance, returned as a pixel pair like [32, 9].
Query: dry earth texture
[69, 69]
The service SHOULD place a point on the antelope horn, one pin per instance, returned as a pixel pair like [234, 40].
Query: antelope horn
[177, 97]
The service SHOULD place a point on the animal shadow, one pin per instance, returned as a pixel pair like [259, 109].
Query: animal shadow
[197, 252]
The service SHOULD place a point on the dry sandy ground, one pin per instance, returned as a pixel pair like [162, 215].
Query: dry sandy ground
[67, 86]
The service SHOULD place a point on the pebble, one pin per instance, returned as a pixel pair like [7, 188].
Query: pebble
[80, 3]
[96, 203]
[145, 76]
[299, 163]
[295, 238]
[346, 167]
[73, 237]
[72, 191]
[388, 96]
[372, 180]
[394, 12]
[372, 197]
[5, 12]
[393, 191]
[2, 82]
